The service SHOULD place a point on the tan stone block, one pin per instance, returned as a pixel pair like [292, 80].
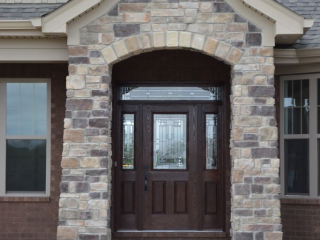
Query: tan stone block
[75, 82]
[99, 186]
[189, 5]
[69, 163]
[145, 27]
[215, 18]
[82, 93]
[98, 205]
[266, 52]
[191, 12]
[251, 121]
[67, 123]
[234, 56]
[93, 79]
[177, 27]
[172, 39]
[67, 233]
[198, 41]
[211, 46]
[82, 70]
[132, 44]
[205, 7]
[78, 51]
[159, 27]
[243, 163]
[73, 136]
[235, 36]
[237, 176]
[132, 7]
[107, 38]
[89, 162]
[136, 17]
[245, 153]
[221, 36]
[146, 40]
[109, 55]
[185, 39]
[167, 12]
[237, 27]
[120, 48]
[219, 27]
[223, 50]
[237, 134]
[206, 29]
[267, 69]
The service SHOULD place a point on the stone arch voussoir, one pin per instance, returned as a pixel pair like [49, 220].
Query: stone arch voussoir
[147, 42]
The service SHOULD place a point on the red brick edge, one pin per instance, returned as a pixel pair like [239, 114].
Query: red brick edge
[25, 199]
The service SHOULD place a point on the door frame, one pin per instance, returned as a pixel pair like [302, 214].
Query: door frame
[226, 163]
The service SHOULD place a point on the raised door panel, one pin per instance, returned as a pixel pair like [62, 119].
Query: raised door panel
[181, 197]
[158, 197]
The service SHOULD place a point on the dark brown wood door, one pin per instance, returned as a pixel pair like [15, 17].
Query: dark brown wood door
[168, 186]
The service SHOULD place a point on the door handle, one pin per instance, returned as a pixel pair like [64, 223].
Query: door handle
[146, 182]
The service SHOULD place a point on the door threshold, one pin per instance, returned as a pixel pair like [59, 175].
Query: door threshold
[155, 234]
[168, 231]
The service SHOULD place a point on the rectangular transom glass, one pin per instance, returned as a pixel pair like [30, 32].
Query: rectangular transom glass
[296, 107]
[211, 141]
[26, 166]
[297, 166]
[26, 109]
[170, 141]
[128, 142]
[170, 93]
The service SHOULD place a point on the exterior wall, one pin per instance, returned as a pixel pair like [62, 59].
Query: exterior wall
[133, 28]
[36, 218]
[33, 1]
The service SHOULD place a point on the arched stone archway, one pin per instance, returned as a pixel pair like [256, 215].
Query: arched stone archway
[216, 30]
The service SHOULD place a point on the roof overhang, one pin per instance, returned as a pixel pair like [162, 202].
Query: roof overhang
[279, 24]
[289, 26]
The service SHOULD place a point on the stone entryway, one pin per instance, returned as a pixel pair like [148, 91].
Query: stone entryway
[170, 129]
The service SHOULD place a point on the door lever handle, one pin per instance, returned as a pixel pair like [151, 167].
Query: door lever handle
[146, 182]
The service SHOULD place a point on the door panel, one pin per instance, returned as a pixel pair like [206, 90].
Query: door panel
[169, 177]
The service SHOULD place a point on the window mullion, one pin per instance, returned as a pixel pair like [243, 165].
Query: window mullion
[313, 130]
[2, 138]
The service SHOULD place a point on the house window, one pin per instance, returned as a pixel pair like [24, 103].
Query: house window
[25, 137]
[300, 136]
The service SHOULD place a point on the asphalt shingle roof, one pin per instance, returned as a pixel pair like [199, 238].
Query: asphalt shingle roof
[25, 11]
[308, 9]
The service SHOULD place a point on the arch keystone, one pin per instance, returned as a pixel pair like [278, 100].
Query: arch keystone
[172, 39]
[185, 39]
[120, 48]
[109, 55]
[198, 41]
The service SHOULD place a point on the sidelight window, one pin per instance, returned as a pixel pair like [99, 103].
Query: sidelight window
[24, 137]
[300, 101]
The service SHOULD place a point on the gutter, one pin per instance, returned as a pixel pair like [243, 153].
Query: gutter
[296, 56]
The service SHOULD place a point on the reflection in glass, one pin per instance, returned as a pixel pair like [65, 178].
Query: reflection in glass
[26, 166]
[128, 141]
[170, 93]
[26, 109]
[211, 141]
[296, 107]
[170, 141]
[297, 166]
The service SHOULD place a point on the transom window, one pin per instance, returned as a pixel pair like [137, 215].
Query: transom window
[24, 137]
[300, 138]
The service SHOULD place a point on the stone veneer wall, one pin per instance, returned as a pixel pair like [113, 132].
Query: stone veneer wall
[136, 26]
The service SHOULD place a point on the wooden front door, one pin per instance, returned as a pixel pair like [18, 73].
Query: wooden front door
[169, 169]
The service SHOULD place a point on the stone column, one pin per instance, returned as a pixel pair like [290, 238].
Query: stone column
[86, 181]
[255, 171]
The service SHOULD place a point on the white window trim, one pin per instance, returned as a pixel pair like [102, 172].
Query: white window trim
[312, 136]
[3, 137]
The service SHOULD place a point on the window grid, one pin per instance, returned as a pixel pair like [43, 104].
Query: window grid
[313, 136]
[4, 137]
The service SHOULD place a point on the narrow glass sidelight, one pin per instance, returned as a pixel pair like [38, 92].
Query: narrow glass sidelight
[211, 141]
[128, 142]
[296, 107]
[297, 166]
[170, 141]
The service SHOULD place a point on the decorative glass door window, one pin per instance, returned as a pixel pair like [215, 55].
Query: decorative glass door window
[128, 142]
[170, 93]
[170, 141]
[211, 141]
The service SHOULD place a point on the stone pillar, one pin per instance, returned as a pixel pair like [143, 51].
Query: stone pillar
[86, 181]
[255, 171]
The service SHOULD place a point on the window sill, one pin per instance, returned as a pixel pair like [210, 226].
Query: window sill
[300, 201]
[25, 199]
